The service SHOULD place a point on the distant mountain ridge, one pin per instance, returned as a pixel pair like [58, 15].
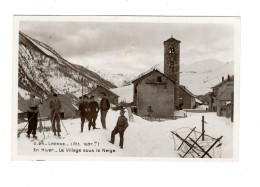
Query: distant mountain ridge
[43, 70]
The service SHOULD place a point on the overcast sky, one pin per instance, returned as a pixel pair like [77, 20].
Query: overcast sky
[131, 47]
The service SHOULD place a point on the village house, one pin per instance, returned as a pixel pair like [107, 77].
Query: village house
[111, 96]
[187, 99]
[223, 96]
[68, 106]
[154, 95]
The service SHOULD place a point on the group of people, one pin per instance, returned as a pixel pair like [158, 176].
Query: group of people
[33, 112]
[89, 110]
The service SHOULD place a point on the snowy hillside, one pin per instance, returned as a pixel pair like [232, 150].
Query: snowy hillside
[43, 70]
[118, 79]
[142, 138]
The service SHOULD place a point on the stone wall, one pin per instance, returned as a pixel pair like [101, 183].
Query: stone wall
[154, 98]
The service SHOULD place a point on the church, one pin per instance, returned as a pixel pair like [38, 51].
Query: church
[156, 93]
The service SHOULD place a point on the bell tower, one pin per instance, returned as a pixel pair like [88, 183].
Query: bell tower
[172, 65]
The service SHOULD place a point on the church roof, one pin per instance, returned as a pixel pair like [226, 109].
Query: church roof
[147, 73]
[172, 40]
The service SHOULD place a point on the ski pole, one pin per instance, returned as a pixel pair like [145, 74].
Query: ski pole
[18, 135]
[62, 123]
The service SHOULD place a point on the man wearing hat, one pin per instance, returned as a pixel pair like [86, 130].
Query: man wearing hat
[120, 128]
[104, 107]
[94, 108]
[55, 107]
[84, 111]
[32, 114]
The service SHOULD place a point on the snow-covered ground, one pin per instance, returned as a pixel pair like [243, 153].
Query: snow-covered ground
[202, 107]
[142, 138]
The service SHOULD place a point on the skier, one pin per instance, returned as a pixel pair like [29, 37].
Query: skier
[94, 109]
[32, 115]
[104, 107]
[84, 111]
[55, 107]
[120, 128]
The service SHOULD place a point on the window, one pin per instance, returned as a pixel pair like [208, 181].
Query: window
[172, 69]
[171, 50]
[149, 108]
[159, 78]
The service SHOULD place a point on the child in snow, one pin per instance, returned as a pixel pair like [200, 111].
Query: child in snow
[120, 128]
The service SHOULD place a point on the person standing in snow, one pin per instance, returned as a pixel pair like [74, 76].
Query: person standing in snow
[104, 107]
[120, 128]
[55, 107]
[84, 111]
[32, 115]
[94, 109]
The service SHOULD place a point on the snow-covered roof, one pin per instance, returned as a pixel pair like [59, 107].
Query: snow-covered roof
[75, 107]
[19, 111]
[228, 102]
[198, 101]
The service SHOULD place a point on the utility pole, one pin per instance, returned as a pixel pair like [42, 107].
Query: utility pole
[203, 128]
[82, 83]
[232, 106]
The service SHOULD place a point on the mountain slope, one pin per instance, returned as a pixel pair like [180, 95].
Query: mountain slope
[43, 70]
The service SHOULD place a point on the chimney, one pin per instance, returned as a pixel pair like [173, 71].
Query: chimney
[228, 77]
[222, 78]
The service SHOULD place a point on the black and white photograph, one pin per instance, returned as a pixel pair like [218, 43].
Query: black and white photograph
[87, 87]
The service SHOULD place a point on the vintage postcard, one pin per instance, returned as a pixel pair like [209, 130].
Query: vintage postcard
[125, 87]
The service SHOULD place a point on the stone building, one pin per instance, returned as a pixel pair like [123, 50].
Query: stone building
[172, 65]
[223, 96]
[154, 94]
[111, 96]
[187, 99]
